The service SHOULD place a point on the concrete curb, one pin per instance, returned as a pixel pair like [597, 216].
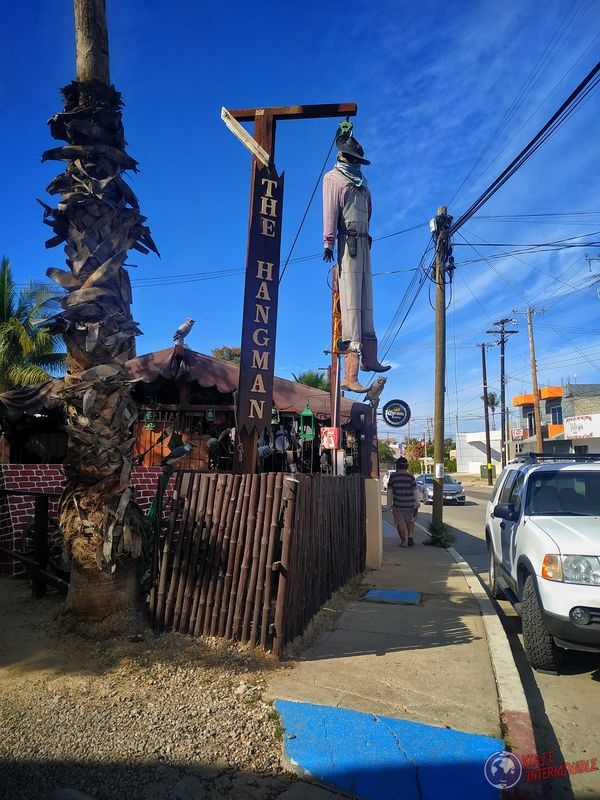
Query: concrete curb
[515, 720]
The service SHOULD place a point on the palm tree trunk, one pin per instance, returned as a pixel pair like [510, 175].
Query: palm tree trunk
[98, 219]
[91, 41]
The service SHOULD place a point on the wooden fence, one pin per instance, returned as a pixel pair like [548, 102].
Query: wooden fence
[253, 557]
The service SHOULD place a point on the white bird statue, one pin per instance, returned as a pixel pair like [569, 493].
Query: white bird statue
[183, 330]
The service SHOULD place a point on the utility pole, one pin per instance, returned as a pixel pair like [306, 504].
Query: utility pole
[534, 385]
[486, 414]
[440, 228]
[503, 333]
[427, 431]
[529, 312]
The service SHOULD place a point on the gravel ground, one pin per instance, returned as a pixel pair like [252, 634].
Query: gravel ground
[157, 717]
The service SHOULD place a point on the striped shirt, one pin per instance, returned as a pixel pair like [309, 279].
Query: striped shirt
[335, 192]
[403, 489]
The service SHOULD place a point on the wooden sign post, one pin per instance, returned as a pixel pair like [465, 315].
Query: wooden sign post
[257, 362]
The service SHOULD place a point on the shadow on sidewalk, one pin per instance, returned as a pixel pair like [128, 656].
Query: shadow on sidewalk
[446, 615]
[382, 628]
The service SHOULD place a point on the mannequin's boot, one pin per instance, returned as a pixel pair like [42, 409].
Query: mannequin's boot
[369, 362]
[350, 380]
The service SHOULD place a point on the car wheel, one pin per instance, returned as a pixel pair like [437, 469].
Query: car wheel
[493, 584]
[540, 649]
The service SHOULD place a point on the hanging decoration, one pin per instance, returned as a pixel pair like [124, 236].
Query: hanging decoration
[149, 420]
[307, 423]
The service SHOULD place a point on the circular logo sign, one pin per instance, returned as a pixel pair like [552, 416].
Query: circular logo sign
[503, 770]
[396, 413]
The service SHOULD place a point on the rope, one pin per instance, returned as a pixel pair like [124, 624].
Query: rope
[314, 191]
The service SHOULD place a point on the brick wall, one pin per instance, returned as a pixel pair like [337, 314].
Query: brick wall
[16, 511]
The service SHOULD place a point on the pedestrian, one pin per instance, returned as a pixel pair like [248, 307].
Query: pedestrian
[405, 503]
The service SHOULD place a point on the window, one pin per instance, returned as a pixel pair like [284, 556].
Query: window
[531, 423]
[506, 489]
[580, 449]
[516, 493]
[564, 492]
[498, 485]
[556, 412]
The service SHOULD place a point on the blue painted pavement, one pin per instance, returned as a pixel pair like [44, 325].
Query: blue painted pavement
[380, 758]
[393, 596]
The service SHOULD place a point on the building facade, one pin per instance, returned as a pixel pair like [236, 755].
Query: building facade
[471, 452]
[570, 418]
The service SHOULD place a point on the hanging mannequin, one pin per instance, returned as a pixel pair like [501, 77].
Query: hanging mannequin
[346, 216]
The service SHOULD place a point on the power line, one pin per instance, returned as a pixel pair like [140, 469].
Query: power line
[522, 296]
[587, 85]
[314, 191]
[517, 101]
[513, 137]
[566, 240]
[226, 272]
[532, 266]
[411, 293]
[550, 217]
[526, 251]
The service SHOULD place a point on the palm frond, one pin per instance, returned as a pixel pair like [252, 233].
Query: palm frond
[43, 298]
[14, 340]
[27, 352]
[313, 378]
[26, 374]
[53, 363]
[7, 290]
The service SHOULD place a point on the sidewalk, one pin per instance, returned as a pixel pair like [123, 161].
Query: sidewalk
[400, 699]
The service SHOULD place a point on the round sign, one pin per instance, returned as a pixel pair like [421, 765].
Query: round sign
[396, 413]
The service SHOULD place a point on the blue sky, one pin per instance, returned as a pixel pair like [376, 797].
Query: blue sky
[448, 93]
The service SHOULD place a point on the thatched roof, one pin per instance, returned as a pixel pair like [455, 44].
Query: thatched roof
[208, 372]
[31, 400]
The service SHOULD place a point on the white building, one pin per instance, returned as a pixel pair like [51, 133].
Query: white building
[471, 452]
[583, 431]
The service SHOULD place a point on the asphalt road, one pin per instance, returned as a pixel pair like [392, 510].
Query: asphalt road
[565, 709]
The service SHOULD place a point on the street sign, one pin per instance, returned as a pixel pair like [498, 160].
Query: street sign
[396, 413]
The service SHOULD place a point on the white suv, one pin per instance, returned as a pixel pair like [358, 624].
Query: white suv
[543, 537]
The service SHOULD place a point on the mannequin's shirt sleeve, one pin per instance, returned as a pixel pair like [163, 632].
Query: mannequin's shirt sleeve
[333, 200]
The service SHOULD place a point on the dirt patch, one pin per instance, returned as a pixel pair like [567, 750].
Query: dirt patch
[164, 716]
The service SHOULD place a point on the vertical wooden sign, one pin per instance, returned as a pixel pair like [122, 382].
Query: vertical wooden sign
[259, 326]
[255, 392]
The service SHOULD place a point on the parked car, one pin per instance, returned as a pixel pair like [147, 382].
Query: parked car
[542, 525]
[453, 489]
